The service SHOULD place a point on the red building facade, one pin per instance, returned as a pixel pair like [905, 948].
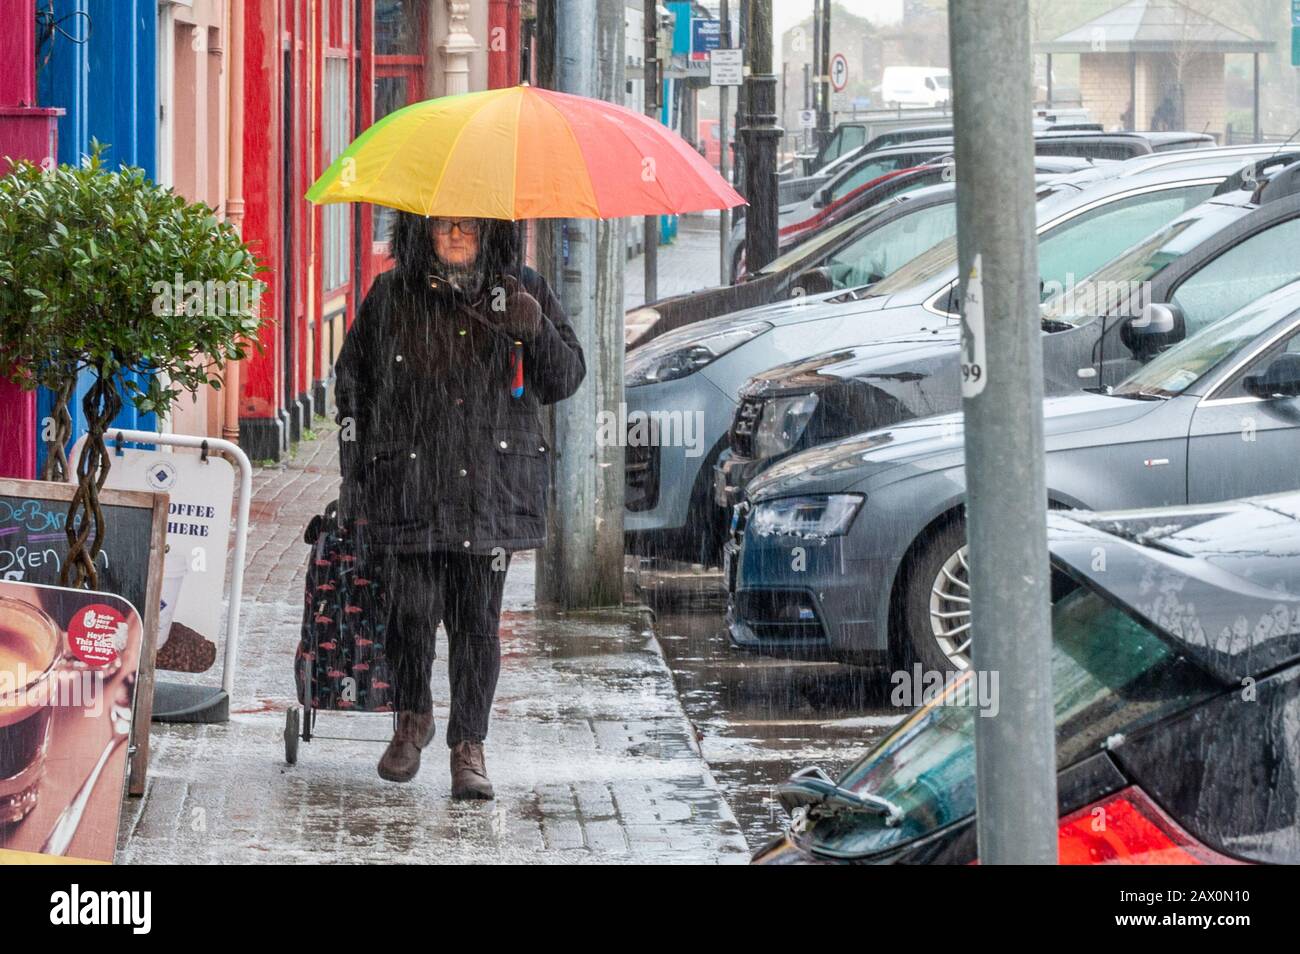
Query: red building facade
[315, 74]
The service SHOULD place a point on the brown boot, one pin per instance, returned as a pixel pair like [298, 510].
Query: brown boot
[468, 773]
[401, 760]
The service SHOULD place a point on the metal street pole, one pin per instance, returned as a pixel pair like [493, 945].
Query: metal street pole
[653, 91]
[761, 135]
[582, 564]
[816, 70]
[724, 97]
[824, 78]
[1002, 391]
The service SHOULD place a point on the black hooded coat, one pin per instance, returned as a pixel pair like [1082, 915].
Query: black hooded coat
[436, 451]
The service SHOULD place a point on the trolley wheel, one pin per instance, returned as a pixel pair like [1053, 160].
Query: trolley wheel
[291, 729]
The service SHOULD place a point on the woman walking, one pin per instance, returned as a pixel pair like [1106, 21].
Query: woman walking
[439, 385]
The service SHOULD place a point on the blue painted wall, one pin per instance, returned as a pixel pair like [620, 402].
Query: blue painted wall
[108, 85]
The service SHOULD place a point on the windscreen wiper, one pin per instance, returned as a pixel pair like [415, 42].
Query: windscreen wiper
[812, 788]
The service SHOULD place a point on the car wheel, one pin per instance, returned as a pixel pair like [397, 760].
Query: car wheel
[936, 604]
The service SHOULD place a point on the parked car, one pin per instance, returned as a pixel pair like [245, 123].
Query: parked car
[883, 580]
[867, 168]
[788, 274]
[1150, 652]
[830, 260]
[798, 218]
[796, 190]
[695, 373]
[943, 170]
[710, 136]
[1204, 265]
[1117, 145]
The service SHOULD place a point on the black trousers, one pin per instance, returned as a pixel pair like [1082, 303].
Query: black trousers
[463, 592]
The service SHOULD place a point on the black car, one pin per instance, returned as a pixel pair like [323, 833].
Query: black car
[1176, 681]
[1204, 265]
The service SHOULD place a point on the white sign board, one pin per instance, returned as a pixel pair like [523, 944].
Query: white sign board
[808, 118]
[726, 67]
[200, 493]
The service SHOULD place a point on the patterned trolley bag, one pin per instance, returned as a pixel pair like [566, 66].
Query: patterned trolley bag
[340, 663]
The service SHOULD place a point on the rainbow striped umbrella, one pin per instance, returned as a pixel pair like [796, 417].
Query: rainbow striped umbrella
[523, 153]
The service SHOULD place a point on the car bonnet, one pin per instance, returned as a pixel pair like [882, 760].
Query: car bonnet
[862, 362]
[1221, 582]
[927, 444]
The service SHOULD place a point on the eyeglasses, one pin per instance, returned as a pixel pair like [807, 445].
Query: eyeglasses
[464, 226]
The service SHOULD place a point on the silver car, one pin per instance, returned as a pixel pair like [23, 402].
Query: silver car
[857, 548]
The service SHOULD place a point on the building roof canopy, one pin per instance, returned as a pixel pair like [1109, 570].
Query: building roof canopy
[1153, 26]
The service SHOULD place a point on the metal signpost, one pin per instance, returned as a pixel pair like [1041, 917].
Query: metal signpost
[726, 69]
[1002, 395]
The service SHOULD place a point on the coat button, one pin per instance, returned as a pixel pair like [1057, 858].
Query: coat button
[465, 544]
[412, 455]
[399, 357]
[459, 401]
[463, 472]
[541, 450]
[503, 445]
[461, 332]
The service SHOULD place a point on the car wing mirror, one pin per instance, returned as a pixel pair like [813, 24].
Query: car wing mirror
[813, 281]
[1280, 379]
[1156, 327]
[1157, 318]
[822, 198]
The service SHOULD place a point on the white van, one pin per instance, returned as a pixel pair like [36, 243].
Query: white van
[915, 86]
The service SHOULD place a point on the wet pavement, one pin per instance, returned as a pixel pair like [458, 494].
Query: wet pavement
[589, 750]
[758, 719]
[690, 262]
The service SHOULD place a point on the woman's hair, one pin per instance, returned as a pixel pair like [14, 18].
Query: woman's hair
[412, 245]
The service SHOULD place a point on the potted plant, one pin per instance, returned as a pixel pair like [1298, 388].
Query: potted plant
[108, 273]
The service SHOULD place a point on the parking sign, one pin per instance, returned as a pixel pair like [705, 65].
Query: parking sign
[839, 72]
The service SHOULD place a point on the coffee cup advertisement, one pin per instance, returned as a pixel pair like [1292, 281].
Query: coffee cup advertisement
[68, 665]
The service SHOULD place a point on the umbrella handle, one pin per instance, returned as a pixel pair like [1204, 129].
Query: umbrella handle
[517, 370]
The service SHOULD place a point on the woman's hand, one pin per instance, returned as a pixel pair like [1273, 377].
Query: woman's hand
[514, 309]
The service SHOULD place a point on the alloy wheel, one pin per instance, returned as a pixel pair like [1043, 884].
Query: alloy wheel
[950, 609]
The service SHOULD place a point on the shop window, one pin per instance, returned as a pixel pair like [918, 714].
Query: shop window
[337, 218]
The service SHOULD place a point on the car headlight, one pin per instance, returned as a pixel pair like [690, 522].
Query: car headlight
[820, 515]
[636, 323]
[782, 423]
[670, 356]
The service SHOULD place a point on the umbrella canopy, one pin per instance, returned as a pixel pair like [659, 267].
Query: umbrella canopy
[523, 153]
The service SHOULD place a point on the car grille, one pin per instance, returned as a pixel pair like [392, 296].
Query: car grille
[743, 426]
[780, 614]
[641, 477]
